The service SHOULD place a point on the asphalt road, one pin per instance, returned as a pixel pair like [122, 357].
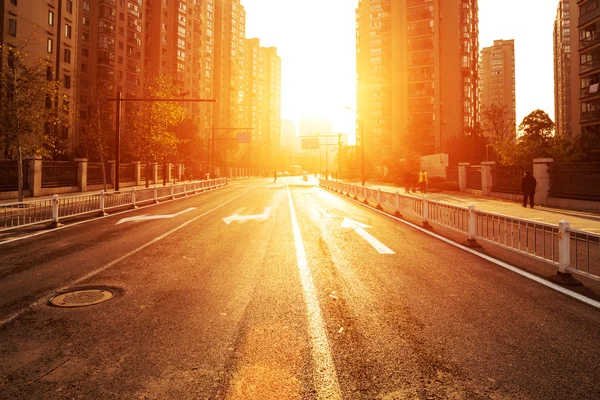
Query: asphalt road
[265, 290]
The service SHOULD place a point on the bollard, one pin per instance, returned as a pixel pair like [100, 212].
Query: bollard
[563, 276]
[425, 222]
[472, 227]
[55, 223]
[101, 203]
[155, 194]
[379, 207]
[397, 205]
[133, 205]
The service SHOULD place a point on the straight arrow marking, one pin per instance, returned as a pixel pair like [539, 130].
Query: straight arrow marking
[242, 218]
[360, 229]
[146, 217]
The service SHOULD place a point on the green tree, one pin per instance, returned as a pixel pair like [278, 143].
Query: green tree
[32, 108]
[152, 136]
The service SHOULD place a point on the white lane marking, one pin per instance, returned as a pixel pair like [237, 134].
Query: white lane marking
[502, 264]
[243, 218]
[46, 298]
[360, 229]
[146, 217]
[324, 375]
[99, 218]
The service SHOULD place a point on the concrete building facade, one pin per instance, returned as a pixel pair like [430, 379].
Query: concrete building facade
[589, 75]
[497, 77]
[417, 74]
[566, 70]
[47, 29]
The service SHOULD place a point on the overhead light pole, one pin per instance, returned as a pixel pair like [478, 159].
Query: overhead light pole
[362, 143]
[119, 100]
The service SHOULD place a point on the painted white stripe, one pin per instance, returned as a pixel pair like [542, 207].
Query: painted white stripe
[47, 297]
[502, 264]
[324, 375]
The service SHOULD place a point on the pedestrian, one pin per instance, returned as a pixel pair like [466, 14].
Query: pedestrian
[528, 184]
[275, 176]
[423, 181]
[407, 181]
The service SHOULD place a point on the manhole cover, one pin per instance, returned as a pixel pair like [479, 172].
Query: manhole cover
[82, 298]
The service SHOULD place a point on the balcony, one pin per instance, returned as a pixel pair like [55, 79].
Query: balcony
[590, 116]
[590, 16]
[589, 41]
[589, 65]
[421, 32]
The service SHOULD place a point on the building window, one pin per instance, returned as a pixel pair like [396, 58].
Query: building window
[12, 27]
[67, 57]
[84, 67]
[85, 36]
[51, 18]
[68, 30]
[86, 6]
[13, 2]
[67, 81]
[85, 21]
[85, 52]
[49, 45]
[70, 6]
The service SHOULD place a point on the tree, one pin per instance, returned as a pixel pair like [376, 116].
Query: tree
[98, 123]
[498, 123]
[152, 137]
[30, 107]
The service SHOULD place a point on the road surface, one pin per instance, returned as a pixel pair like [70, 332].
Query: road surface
[283, 290]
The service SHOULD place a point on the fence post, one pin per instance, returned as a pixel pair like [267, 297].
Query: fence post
[155, 194]
[184, 190]
[172, 192]
[563, 275]
[133, 205]
[425, 222]
[55, 223]
[397, 205]
[82, 164]
[472, 227]
[379, 207]
[101, 203]
[355, 191]
[365, 192]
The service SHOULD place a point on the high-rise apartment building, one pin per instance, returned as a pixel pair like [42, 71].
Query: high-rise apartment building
[179, 42]
[111, 55]
[566, 70]
[589, 74]
[46, 30]
[497, 77]
[262, 100]
[417, 73]
[230, 37]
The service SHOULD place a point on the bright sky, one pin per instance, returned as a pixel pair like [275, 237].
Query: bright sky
[316, 42]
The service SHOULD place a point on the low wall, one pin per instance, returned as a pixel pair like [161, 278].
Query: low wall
[573, 204]
[507, 196]
[14, 195]
[59, 190]
[93, 188]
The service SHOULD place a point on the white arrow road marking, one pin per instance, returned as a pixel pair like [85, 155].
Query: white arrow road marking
[360, 229]
[243, 218]
[147, 217]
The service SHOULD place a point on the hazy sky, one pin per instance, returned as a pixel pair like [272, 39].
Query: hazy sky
[316, 42]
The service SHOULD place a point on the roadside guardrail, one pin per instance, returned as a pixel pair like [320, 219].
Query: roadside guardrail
[17, 215]
[570, 250]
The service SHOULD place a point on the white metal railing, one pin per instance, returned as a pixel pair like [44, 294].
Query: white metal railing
[569, 249]
[15, 215]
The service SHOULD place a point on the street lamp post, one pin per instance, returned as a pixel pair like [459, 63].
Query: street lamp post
[362, 144]
[119, 100]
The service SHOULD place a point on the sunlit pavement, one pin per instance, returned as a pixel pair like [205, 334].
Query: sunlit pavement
[578, 220]
[281, 290]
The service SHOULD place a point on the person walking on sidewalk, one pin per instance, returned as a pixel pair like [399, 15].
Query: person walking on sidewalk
[528, 184]
[423, 181]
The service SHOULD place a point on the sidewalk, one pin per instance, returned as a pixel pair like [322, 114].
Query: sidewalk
[585, 221]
